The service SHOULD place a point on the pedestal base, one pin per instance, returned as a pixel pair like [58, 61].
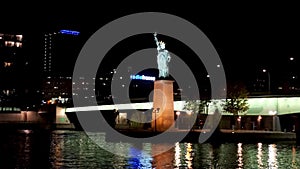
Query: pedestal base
[163, 106]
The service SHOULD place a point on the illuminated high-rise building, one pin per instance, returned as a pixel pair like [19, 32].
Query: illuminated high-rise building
[12, 66]
[61, 49]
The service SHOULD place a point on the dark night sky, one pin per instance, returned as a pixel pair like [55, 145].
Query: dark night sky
[247, 38]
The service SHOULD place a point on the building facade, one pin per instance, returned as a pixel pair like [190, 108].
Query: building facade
[12, 68]
[61, 49]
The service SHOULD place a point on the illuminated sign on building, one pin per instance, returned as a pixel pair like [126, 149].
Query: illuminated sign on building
[69, 32]
[142, 77]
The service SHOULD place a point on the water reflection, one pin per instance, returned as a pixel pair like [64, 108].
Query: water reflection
[240, 156]
[294, 163]
[139, 159]
[72, 149]
[177, 154]
[189, 155]
[272, 162]
[24, 149]
[183, 155]
[259, 156]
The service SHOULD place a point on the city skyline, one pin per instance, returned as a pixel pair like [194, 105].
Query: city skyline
[246, 43]
[65, 105]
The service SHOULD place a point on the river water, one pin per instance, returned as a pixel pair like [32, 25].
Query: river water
[73, 149]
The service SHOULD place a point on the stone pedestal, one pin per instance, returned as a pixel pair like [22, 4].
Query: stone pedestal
[163, 106]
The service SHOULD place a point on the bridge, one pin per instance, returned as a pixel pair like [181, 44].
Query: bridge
[280, 113]
[257, 106]
[260, 115]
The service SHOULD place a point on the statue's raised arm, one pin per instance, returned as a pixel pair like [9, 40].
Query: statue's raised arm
[156, 40]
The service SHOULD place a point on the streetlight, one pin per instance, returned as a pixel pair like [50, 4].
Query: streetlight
[259, 118]
[25, 115]
[239, 122]
[177, 120]
[155, 111]
[269, 79]
[293, 84]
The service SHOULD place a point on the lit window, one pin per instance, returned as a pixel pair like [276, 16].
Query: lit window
[9, 43]
[18, 44]
[7, 64]
[19, 37]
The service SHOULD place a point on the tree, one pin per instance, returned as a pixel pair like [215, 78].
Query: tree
[236, 101]
[196, 106]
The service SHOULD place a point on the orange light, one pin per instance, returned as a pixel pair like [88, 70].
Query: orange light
[259, 118]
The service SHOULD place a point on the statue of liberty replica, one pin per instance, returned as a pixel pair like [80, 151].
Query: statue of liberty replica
[163, 58]
[163, 99]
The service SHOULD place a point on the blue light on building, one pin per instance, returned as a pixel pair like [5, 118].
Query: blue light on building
[69, 32]
[142, 77]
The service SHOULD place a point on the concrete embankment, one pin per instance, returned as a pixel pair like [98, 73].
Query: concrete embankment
[35, 126]
[218, 136]
[254, 136]
[222, 135]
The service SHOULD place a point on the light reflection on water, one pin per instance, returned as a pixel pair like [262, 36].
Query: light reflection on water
[183, 155]
[240, 155]
[273, 163]
[73, 149]
[260, 164]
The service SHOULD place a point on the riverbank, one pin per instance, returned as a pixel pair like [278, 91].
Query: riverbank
[221, 135]
[254, 136]
[35, 126]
